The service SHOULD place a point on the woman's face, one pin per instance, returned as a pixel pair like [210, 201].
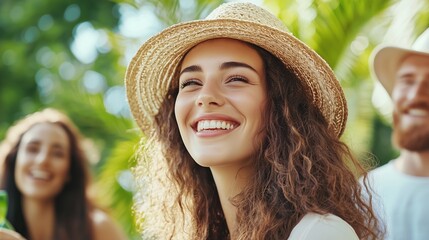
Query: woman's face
[43, 161]
[219, 107]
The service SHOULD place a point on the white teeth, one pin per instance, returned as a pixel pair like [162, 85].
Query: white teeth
[40, 174]
[418, 112]
[214, 124]
[206, 124]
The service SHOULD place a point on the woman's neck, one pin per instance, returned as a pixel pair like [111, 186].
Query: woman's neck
[40, 218]
[230, 181]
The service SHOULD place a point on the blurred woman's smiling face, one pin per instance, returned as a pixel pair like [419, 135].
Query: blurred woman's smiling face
[219, 107]
[43, 161]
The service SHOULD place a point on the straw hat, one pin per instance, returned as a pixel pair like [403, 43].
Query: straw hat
[385, 60]
[151, 70]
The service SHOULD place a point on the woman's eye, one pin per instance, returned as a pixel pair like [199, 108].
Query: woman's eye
[59, 154]
[237, 79]
[189, 82]
[32, 149]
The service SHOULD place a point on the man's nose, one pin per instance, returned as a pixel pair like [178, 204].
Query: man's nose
[420, 90]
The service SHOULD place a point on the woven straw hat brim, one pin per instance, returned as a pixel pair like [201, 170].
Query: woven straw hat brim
[151, 70]
[385, 62]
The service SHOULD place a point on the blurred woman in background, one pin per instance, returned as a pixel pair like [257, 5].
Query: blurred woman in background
[45, 173]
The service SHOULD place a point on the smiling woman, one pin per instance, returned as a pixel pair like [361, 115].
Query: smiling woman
[42, 161]
[45, 173]
[243, 122]
[219, 78]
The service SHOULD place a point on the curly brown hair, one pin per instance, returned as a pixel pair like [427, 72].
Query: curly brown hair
[302, 166]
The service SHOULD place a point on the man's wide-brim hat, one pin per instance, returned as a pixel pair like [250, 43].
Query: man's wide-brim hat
[151, 71]
[385, 60]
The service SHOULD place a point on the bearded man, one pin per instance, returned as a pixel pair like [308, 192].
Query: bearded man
[402, 186]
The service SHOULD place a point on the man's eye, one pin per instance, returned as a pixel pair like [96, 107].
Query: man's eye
[406, 81]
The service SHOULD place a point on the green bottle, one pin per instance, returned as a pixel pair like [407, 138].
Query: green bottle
[4, 223]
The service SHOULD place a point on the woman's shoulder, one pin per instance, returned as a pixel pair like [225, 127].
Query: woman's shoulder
[105, 227]
[322, 227]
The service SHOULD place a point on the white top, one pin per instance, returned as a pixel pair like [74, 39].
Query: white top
[401, 203]
[314, 226]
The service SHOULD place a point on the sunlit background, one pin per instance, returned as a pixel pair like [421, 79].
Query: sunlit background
[72, 55]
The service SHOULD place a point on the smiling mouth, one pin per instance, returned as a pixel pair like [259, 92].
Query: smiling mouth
[418, 112]
[205, 125]
[41, 175]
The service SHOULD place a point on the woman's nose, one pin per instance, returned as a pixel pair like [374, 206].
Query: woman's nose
[210, 95]
[42, 157]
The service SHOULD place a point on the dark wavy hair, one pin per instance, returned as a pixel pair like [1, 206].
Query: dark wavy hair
[71, 204]
[302, 167]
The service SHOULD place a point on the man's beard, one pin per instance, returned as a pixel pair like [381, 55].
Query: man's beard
[413, 138]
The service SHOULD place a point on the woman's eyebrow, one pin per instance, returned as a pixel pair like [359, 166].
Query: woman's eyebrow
[58, 145]
[193, 68]
[226, 65]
